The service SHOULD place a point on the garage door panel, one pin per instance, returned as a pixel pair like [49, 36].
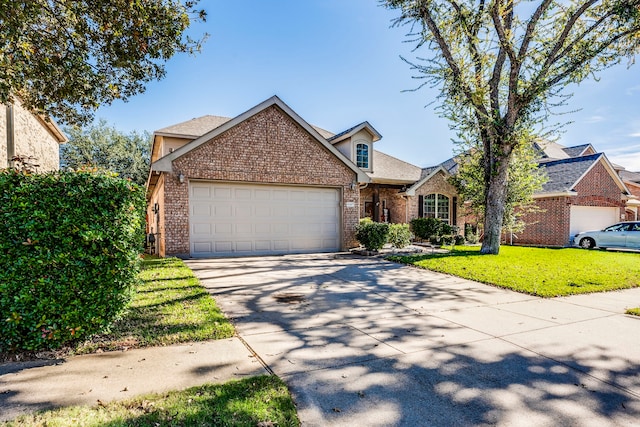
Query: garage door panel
[263, 245]
[223, 210]
[263, 228]
[588, 218]
[201, 210]
[224, 228]
[244, 246]
[242, 194]
[329, 243]
[204, 229]
[200, 193]
[222, 193]
[243, 228]
[243, 211]
[245, 219]
[280, 195]
[281, 245]
[223, 246]
[202, 247]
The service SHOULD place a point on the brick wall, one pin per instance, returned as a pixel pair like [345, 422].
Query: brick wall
[437, 184]
[394, 202]
[598, 188]
[31, 138]
[549, 225]
[266, 148]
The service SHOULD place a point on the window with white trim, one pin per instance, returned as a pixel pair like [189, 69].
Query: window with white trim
[362, 156]
[436, 206]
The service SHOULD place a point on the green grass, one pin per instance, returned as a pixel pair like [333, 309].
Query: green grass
[634, 311]
[247, 402]
[170, 306]
[537, 271]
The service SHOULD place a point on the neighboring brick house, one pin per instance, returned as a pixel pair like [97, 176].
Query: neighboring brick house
[583, 192]
[264, 182]
[29, 136]
[632, 181]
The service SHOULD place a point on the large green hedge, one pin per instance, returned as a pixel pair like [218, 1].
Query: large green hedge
[69, 255]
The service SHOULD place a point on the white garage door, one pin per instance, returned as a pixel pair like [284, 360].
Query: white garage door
[247, 219]
[587, 218]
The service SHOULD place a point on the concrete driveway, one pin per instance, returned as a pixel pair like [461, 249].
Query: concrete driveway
[362, 341]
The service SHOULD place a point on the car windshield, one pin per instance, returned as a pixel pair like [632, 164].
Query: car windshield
[617, 227]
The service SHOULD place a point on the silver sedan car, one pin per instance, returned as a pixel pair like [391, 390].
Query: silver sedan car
[621, 235]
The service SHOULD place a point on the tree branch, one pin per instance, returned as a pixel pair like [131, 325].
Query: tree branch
[448, 56]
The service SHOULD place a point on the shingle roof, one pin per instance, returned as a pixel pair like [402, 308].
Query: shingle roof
[201, 125]
[563, 174]
[575, 151]
[450, 165]
[344, 132]
[630, 176]
[390, 169]
[194, 127]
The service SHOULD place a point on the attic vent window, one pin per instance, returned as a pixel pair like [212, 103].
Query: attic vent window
[362, 156]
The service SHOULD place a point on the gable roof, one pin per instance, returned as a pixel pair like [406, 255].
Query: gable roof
[578, 150]
[430, 173]
[389, 169]
[196, 127]
[353, 130]
[193, 128]
[564, 174]
[629, 176]
[165, 164]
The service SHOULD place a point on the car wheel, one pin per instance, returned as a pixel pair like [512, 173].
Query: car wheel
[587, 243]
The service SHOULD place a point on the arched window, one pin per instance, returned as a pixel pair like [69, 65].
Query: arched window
[362, 156]
[436, 206]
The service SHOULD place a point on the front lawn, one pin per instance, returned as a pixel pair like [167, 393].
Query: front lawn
[256, 401]
[170, 306]
[537, 271]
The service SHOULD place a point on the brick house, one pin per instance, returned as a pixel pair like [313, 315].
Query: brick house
[264, 182]
[584, 191]
[29, 135]
[267, 182]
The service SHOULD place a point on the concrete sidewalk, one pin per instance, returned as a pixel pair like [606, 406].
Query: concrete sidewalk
[87, 380]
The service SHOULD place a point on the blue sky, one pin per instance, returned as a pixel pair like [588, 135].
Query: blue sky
[337, 63]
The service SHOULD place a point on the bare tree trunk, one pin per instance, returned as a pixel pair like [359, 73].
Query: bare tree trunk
[495, 200]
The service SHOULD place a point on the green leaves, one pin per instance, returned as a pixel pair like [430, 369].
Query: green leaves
[372, 235]
[69, 246]
[66, 58]
[104, 147]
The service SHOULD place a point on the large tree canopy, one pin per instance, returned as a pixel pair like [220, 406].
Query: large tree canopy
[68, 57]
[104, 147]
[502, 64]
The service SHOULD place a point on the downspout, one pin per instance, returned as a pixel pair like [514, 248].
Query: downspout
[11, 143]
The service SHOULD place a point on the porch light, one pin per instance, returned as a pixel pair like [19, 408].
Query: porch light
[181, 178]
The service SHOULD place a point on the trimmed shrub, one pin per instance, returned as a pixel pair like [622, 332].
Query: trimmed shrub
[459, 240]
[425, 228]
[372, 235]
[399, 235]
[69, 250]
